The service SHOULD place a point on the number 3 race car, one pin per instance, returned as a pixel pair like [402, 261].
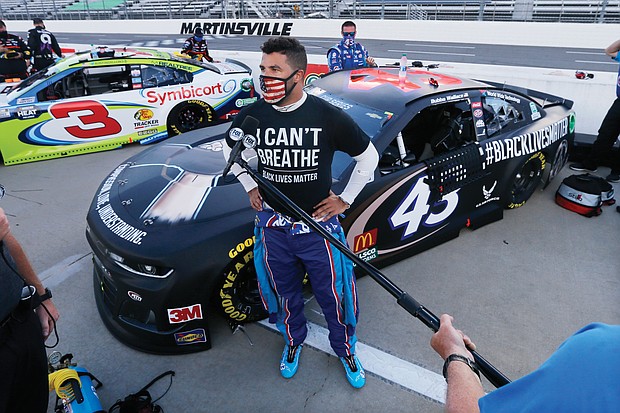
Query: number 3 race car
[172, 238]
[101, 99]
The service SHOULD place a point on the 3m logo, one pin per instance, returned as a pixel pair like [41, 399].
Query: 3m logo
[180, 315]
[364, 241]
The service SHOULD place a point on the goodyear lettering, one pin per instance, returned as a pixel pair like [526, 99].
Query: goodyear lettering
[226, 299]
[240, 28]
[525, 144]
[241, 247]
[183, 314]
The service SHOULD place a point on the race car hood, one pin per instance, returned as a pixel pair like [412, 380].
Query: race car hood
[176, 185]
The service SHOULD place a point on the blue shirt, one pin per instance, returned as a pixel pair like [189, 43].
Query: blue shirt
[583, 375]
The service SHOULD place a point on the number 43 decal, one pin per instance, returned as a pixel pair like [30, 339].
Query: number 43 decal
[415, 209]
[92, 119]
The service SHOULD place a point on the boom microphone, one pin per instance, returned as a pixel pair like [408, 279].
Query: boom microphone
[239, 134]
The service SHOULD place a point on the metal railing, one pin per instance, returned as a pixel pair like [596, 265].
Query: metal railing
[605, 11]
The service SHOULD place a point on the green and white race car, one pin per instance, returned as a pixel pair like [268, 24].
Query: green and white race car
[103, 98]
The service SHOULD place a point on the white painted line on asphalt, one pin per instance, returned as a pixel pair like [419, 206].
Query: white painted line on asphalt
[593, 53]
[424, 52]
[594, 61]
[439, 46]
[382, 364]
[53, 276]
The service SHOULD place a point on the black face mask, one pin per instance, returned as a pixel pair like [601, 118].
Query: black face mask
[4, 35]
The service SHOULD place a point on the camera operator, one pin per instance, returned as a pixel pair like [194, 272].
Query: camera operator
[27, 317]
[14, 55]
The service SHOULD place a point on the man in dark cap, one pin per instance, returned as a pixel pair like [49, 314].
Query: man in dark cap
[43, 45]
[196, 46]
[14, 55]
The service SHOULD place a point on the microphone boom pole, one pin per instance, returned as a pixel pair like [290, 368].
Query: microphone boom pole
[406, 301]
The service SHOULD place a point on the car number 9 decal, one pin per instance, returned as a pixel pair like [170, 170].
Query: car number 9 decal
[414, 209]
[91, 119]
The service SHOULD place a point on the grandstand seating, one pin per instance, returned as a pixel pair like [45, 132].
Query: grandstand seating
[584, 11]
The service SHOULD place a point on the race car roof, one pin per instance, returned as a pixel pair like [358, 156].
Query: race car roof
[380, 87]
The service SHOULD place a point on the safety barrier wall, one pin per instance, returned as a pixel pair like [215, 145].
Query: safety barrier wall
[592, 97]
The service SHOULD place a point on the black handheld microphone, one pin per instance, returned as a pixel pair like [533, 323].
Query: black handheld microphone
[239, 134]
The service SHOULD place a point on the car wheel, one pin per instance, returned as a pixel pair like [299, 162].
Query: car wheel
[525, 180]
[239, 297]
[189, 115]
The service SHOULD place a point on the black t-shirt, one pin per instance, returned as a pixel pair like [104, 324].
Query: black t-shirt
[295, 149]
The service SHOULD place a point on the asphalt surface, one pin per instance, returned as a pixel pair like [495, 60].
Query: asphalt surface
[518, 287]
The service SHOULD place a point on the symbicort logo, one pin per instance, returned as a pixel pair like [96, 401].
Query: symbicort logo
[218, 91]
[364, 241]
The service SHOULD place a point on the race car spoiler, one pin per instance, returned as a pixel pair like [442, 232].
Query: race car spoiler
[543, 99]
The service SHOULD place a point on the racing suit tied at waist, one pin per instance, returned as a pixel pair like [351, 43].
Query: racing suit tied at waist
[268, 218]
[272, 219]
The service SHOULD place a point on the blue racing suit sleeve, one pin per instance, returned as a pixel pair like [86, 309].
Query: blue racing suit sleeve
[334, 59]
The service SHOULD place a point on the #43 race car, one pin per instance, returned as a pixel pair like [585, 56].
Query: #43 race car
[102, 99]
[173, 239]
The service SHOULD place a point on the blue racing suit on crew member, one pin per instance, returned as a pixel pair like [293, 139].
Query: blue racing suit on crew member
[330, 273]
[348, 54]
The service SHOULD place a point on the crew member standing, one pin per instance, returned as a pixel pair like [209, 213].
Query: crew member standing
[14, 55]
[348, 54]
[23, 331]
[196, 46]
[43, 45]
[608, 131]
[297, 137]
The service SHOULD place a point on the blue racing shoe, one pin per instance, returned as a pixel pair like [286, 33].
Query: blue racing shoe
[355, 371]
[290, 360]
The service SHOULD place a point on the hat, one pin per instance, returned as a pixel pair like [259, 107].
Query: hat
[198, 31]
[37, 20]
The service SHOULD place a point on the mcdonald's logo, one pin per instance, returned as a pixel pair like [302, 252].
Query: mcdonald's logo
[364, 241]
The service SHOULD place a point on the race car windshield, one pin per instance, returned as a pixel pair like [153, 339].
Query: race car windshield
[31, 80]
[370, 120]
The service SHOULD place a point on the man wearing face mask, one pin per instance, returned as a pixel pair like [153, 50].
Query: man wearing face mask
[14, 55]
[348, 54]
[196, 46]
[297, 137]
[43, 45]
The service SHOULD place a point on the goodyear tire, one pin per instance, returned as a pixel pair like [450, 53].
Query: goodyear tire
[189, 115]
[238, 296]
[525, 180]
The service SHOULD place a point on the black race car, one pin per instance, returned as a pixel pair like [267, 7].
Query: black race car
[172, 238]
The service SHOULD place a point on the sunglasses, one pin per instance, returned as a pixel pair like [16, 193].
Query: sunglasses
[352, 34]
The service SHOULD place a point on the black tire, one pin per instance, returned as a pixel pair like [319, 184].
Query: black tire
[525, 180]
[189, 115]
[238, 296]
